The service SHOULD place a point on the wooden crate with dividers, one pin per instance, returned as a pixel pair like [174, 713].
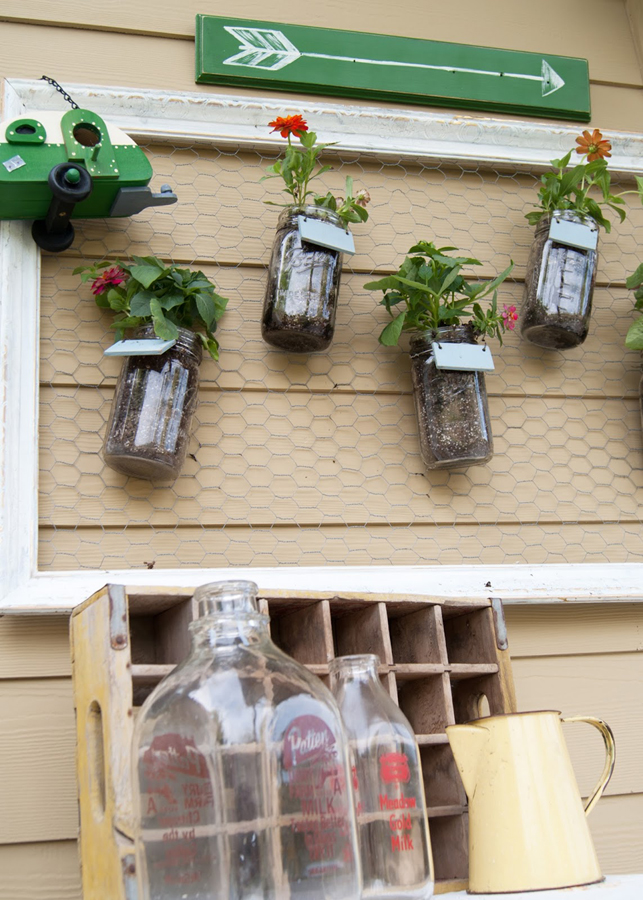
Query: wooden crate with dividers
[442, 660]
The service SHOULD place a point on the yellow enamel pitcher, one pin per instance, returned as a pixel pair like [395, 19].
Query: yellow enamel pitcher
[527, 826]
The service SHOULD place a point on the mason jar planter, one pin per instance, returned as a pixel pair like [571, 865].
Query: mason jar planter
[451, 406]
[303, 284]
[559, 284]
[149, 424]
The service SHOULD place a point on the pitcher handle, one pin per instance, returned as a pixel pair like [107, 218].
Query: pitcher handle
[610, 748]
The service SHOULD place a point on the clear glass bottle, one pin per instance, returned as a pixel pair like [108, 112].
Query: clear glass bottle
[392, 823]
[149, 425]
[452, 410]
[300, 303]
[559, 285]
[240, 770]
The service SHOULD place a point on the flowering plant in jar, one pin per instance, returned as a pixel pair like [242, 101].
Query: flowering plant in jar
[561, 271]
[300, 302]
[156, 393]
[634, 338]
[430, 298]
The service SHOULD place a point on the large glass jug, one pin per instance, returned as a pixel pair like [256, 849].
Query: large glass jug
[387, 779]
[241, 774]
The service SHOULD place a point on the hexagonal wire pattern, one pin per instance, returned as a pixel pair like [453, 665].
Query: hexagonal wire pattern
[312, 460]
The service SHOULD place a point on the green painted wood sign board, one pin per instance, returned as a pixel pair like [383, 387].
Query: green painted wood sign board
[270, 55]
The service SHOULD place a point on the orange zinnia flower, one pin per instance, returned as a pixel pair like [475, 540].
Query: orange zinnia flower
[288, 125]
[593, 145]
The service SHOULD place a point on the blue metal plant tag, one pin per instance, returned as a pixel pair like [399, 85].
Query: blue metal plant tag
[142, 347]
[325, 234]
[582, 235]
[462, 357]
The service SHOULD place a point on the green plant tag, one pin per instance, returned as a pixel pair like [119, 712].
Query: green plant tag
[462, 357]
[325, 234]
[144, 347]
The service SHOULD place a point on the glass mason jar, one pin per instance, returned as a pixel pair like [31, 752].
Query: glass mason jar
[149, 425]
[240, 770]
[392, 824]
[559, 284]
[300, 303]
[451, 407]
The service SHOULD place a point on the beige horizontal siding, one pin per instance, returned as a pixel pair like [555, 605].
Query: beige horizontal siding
[580, 30]
[606, 686]
[573, 630]
[34, 647]
[615, 826]
[277, 458]
[290, 545]
[143, 61]
[37, 761]
[40, 871]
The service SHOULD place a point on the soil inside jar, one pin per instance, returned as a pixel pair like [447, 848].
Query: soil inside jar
[298, 334]
[565, 332]
[449, 417]
[300, 302]
[558, 291]
[150, 421]
[451, 406]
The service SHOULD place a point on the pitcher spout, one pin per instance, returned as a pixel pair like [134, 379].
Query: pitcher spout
[467, 743]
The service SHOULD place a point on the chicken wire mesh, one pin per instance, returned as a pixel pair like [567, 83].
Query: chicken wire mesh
[312, 460]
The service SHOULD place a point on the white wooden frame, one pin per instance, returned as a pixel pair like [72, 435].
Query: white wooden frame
[234, 121]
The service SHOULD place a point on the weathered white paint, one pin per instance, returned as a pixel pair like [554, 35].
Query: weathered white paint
[50, 592]
[19, 352]
[384, 133]
[224, 120]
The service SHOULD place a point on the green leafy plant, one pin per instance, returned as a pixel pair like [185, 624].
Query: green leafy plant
[585, 188]
[147, 291]
[634, 337]
[430, 291]
[301, 165]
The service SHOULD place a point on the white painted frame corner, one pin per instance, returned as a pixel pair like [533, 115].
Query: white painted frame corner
[234, 121]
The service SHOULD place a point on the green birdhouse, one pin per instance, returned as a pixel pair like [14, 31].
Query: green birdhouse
[59, 166]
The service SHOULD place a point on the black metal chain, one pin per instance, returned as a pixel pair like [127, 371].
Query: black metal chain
[60, 90]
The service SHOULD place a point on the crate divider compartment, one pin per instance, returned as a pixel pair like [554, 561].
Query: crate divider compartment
[438, 658]
[471, 638]
[418, 637]
[304, 633]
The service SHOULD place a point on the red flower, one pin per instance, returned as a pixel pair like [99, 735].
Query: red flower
[112, 276]
[509, 316]
[593, 145]
[288, 125]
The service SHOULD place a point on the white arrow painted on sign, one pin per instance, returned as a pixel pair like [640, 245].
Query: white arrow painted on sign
[264, 48]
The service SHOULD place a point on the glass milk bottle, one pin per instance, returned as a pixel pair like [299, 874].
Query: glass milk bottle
[387, 780]
[241, 773]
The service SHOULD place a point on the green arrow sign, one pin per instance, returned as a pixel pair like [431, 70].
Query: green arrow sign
[299, 58]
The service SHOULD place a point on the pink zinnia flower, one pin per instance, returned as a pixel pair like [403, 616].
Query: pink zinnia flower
[110, 277]
[509, 316]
